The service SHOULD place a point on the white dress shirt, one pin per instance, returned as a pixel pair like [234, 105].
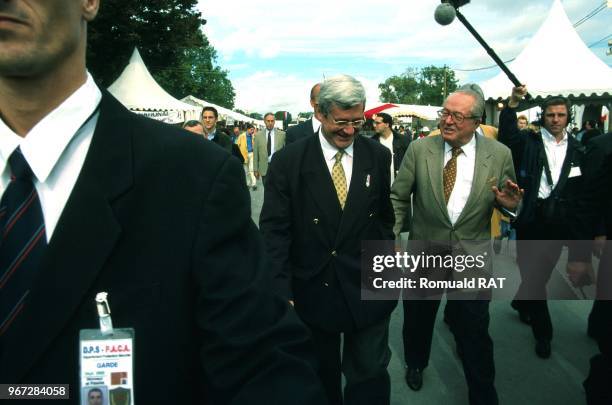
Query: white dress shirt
[466, 163]
[329, 153]
[316, 124]
[555, 153]
[388, 143]
[55, 149]
[272, 136]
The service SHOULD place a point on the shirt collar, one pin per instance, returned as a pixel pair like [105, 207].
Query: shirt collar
[43, 146]
[329, 151]
[469, 149]
[210, 136]
[550, 138]
[316, 124]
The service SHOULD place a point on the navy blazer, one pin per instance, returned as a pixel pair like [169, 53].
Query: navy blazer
[299, 131]
[526, 147]
[315, 246]
[160, 219]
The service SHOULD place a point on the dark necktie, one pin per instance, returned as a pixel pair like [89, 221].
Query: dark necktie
[23, 240]
[450, 174]
[269, 143]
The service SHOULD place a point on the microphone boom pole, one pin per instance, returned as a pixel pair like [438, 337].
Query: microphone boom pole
[455, 4]
[490, 51]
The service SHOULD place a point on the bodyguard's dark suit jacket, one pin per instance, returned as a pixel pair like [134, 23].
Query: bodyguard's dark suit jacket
[526, 146]
[315, 246]
[595, 205]
[160, 219]
[299, 131]
[400, 145]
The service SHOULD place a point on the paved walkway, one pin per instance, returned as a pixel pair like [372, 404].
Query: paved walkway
[522, 377]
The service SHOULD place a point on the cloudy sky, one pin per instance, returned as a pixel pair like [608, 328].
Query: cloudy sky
[275, 50]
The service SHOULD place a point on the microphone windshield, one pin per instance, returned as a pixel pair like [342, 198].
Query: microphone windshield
[445, 14]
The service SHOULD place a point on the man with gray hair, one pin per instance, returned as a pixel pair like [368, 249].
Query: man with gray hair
[324, 195]
[450, 184]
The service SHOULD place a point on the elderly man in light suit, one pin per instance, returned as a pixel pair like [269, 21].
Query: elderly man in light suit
[454, 181]
[267, 142]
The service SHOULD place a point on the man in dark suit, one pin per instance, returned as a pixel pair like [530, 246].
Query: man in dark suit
[593, 205]
[549, 167]
[326, 194]
[396, 143]
[138, 209]
[308, 127]
[209, 120]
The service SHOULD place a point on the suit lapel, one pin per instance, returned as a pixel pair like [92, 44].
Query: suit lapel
[279, 140]
[362, 179]
[319, 182]
[435, 159]
[480, 182]
[82, 241]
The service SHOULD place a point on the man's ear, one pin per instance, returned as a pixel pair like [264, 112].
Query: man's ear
[90, 9]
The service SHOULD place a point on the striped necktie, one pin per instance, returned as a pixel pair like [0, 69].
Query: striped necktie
[23, 240]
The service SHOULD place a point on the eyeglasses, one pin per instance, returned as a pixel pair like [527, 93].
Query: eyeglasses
[457, 116]
[345, 124]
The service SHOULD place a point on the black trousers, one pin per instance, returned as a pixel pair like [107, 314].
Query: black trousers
[469, 322]
[598, 386]
[538, 250]
[364, 360]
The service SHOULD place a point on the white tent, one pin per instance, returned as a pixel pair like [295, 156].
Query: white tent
[555, 62]
[138, 91]
[224, 113]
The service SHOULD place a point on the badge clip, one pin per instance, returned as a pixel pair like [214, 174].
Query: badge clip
[106, 322]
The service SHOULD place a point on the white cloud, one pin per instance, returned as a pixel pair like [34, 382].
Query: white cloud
[370, 40]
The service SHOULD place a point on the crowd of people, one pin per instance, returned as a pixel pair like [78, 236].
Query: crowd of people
[98, 199]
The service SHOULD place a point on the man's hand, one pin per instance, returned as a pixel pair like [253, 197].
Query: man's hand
[580, 273]
[599, 243]
[256, 173]
[517, 95]
[510, 196]
[292, 303]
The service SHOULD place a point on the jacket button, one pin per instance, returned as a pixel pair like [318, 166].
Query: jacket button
[334, 253]
[316, 221]
[371, 214]
[326, 284]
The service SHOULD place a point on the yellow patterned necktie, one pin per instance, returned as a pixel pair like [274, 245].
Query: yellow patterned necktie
[339, 178]
[450, 173]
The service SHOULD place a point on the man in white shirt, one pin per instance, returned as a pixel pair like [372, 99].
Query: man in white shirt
[310, 126]
[98, 199]
[452, 183]
[325, 195]
[549, 168]
[267, 142]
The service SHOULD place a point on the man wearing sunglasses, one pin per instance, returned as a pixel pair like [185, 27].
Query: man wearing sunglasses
[326, 194]
[450, 184]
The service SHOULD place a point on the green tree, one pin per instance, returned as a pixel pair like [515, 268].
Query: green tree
[427, 85]
[401, 89]
[168, 36]
[435, 83]
[256, 116]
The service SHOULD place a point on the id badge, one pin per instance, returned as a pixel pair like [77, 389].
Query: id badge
[106, 362]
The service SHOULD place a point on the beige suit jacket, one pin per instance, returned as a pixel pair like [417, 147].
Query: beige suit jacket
[260, 149]
[420, 177]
